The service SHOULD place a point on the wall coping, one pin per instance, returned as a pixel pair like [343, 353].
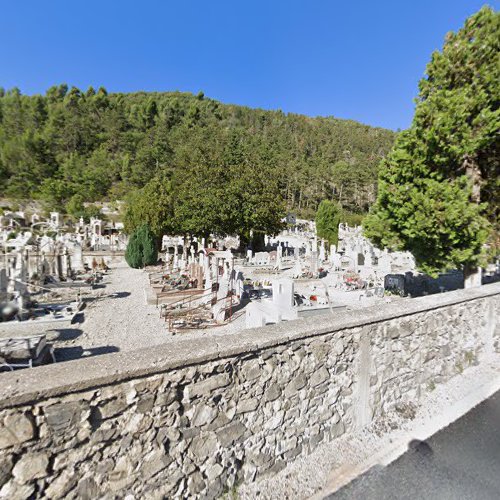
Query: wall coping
[24, 386]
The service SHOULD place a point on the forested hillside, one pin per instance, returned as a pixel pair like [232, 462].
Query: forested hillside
[104, 146]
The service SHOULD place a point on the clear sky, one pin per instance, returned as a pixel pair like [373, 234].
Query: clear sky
[350, 59]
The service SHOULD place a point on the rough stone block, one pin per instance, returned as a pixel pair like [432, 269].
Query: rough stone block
[87, 489]
[275, 421]
[247, 405]
[113, 407]
[61, 485]
[15, 429]
[206, 386]
[17, 491]
[319, 376]
[251, 370]
[31, 466]
[295, 385]
[231, 433]
[338, 347]
[153, 463]
[6, 464]
[145, 403]
[196, 483]
[204, 445]
[214, 471]
[273, 392]
[203, 415]
[293, 453]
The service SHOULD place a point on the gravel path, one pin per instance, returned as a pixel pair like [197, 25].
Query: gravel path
[117, 318]
[121, 320]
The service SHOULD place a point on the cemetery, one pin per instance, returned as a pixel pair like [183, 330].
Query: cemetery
[48, 268]
[292, 297]
[295, 276]
[66, 278]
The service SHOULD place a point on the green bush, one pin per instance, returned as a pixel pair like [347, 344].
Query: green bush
[141, 249]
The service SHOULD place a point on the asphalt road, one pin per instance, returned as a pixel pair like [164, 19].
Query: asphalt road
[459, 462]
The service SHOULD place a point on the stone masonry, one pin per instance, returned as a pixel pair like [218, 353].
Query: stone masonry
[196, 418]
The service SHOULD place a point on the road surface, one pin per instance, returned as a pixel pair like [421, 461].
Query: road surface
[459, 462]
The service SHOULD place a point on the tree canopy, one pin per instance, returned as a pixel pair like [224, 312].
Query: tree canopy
[224, 167]
[151, 205]
[438, 193]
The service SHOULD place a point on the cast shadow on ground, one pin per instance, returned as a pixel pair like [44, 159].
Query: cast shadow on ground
[77, 352]
[119, 295]
[64, 334]
[420, 447]
[78, 318]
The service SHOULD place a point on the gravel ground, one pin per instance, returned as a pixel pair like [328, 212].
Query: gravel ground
[116, 318]
[334, 464]
[120, 319]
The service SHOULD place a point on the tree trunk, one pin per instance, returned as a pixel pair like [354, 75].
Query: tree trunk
[472, 276]
[473, 172]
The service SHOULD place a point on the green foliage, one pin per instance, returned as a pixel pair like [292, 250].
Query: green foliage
[107, 146]
[328, 218]
[228, 186]
[76, 208]
[439, 187]
[151, 205]
[141, 249]
[352, 219]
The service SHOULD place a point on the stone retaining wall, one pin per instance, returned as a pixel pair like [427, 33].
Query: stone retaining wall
[197, 417]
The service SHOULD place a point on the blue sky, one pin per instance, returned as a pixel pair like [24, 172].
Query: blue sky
[350, 59]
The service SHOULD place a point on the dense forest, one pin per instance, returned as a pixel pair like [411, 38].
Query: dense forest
[69, 146]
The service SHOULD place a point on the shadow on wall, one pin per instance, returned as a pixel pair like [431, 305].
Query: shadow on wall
[422, 284]
[77, 352]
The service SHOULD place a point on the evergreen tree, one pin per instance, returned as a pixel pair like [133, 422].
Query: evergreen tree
[141, 249]
[151, 205]
[438, 188]
[103, 146]
[328, 218]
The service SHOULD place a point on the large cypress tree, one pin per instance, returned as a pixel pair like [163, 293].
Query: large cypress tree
[439, 187]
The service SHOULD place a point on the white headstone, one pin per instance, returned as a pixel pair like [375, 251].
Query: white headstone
[283, 293]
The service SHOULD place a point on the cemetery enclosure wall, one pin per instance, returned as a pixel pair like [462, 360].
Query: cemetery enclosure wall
[195, 417]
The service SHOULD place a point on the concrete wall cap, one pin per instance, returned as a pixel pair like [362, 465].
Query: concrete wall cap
[25, 386]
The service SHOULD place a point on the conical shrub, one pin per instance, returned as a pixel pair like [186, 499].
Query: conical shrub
[141, 249]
